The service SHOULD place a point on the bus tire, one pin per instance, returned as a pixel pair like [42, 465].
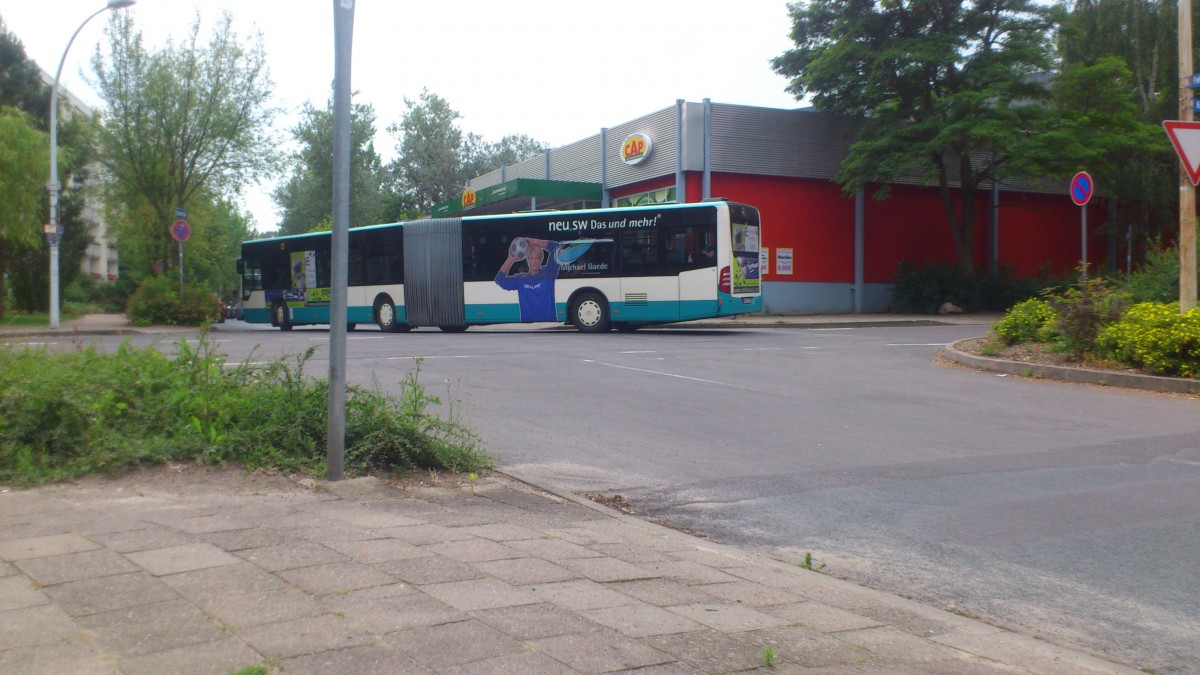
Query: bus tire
[351, 326]
[452, 329]
[385, 316]
[281, 316]
[589, 313]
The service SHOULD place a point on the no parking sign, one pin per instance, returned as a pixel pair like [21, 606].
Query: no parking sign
[181, 230]
[1081, 188]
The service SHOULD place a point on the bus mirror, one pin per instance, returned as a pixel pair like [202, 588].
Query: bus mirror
[241, 266]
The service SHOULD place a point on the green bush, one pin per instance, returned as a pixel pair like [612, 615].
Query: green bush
[65, 414]
[1155, 337]
[923, 289]
[107, 297]
[1083, 311]
[1030, 321]
[1001, 291]
[158, 301]
[1157, 278]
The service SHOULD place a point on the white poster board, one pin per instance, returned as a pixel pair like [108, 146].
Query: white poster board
[783, 261]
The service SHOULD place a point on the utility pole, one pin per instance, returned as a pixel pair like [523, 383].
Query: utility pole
[1187, 191]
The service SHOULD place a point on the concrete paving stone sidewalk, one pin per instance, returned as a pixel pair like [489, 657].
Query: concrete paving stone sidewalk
[184, 569]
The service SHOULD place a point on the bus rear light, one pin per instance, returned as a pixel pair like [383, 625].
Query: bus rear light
[724, 286]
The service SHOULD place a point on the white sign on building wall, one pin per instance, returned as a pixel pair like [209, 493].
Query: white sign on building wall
[783, 261]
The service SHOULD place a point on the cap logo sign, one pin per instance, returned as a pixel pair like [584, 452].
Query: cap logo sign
[635, 149]
[468, 198]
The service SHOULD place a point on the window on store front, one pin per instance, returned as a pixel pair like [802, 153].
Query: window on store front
[661, 196]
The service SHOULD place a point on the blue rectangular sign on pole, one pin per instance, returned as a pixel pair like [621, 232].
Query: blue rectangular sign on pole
[1195, 80]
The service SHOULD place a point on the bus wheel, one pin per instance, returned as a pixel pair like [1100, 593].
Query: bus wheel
[351, 326]
[452, 329]
[385, 315]
[282, 318]
[590, 313]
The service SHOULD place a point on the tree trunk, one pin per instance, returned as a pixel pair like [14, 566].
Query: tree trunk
[962, 223]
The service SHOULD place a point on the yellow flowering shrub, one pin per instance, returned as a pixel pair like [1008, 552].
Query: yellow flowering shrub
[1030, 321]
[1157, 338]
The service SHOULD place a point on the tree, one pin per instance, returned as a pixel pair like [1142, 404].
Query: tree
[21, 83]
[484, 157]
[306, 198]
[429, 156]
[434, 158]
[946, 90]
[1095, 35]
[27, 259]
[24, 163]
[183, 125]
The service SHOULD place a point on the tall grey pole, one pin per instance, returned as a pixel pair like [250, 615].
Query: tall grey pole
[53, 235]
[343, 38]
[860, 251]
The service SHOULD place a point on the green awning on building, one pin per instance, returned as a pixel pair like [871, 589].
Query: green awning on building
[524, 194]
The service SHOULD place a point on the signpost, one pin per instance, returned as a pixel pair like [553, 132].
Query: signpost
[1081, 193]
[180, 231]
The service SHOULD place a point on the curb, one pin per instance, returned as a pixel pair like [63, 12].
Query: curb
[1104, 378]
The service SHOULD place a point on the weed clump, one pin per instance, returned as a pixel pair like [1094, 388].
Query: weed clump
[66, 414]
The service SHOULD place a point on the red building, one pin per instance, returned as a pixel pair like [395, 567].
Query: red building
[825, 251]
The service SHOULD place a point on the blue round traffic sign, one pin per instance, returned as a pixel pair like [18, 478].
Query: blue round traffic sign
[181, 230]
[1081, 188]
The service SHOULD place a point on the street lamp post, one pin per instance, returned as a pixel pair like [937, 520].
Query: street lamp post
[53, 233]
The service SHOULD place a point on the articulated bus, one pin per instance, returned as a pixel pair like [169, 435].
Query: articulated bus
[595, 269]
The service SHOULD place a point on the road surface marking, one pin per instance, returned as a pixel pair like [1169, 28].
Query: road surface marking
[400, 358]
[659, 372]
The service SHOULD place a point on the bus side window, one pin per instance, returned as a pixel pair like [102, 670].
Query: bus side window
[251, 277]
[324, 272]
[355, 269]
[640, 252]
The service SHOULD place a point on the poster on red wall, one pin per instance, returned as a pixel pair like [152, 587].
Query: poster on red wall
[783, 260]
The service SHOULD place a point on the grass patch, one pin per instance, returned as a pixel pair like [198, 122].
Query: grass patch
[65, 414]
[32, 319]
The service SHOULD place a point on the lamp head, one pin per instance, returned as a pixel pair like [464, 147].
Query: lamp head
[120, 4]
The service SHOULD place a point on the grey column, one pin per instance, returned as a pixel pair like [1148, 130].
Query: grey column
[706, 181]
[680, 181]
[859, 252]
[603, 168]
[994, 233]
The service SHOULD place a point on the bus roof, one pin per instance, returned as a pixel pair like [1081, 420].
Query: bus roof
[690, 205]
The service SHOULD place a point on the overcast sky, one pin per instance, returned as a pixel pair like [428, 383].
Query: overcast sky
[556, 70]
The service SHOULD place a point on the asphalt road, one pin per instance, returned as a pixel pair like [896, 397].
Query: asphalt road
[1070, 512]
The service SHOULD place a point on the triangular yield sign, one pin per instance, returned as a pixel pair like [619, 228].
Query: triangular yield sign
[1185, 136]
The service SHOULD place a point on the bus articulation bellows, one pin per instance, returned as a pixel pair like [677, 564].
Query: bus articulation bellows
[595, 269]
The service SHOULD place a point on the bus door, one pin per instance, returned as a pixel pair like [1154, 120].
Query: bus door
[649, 286]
